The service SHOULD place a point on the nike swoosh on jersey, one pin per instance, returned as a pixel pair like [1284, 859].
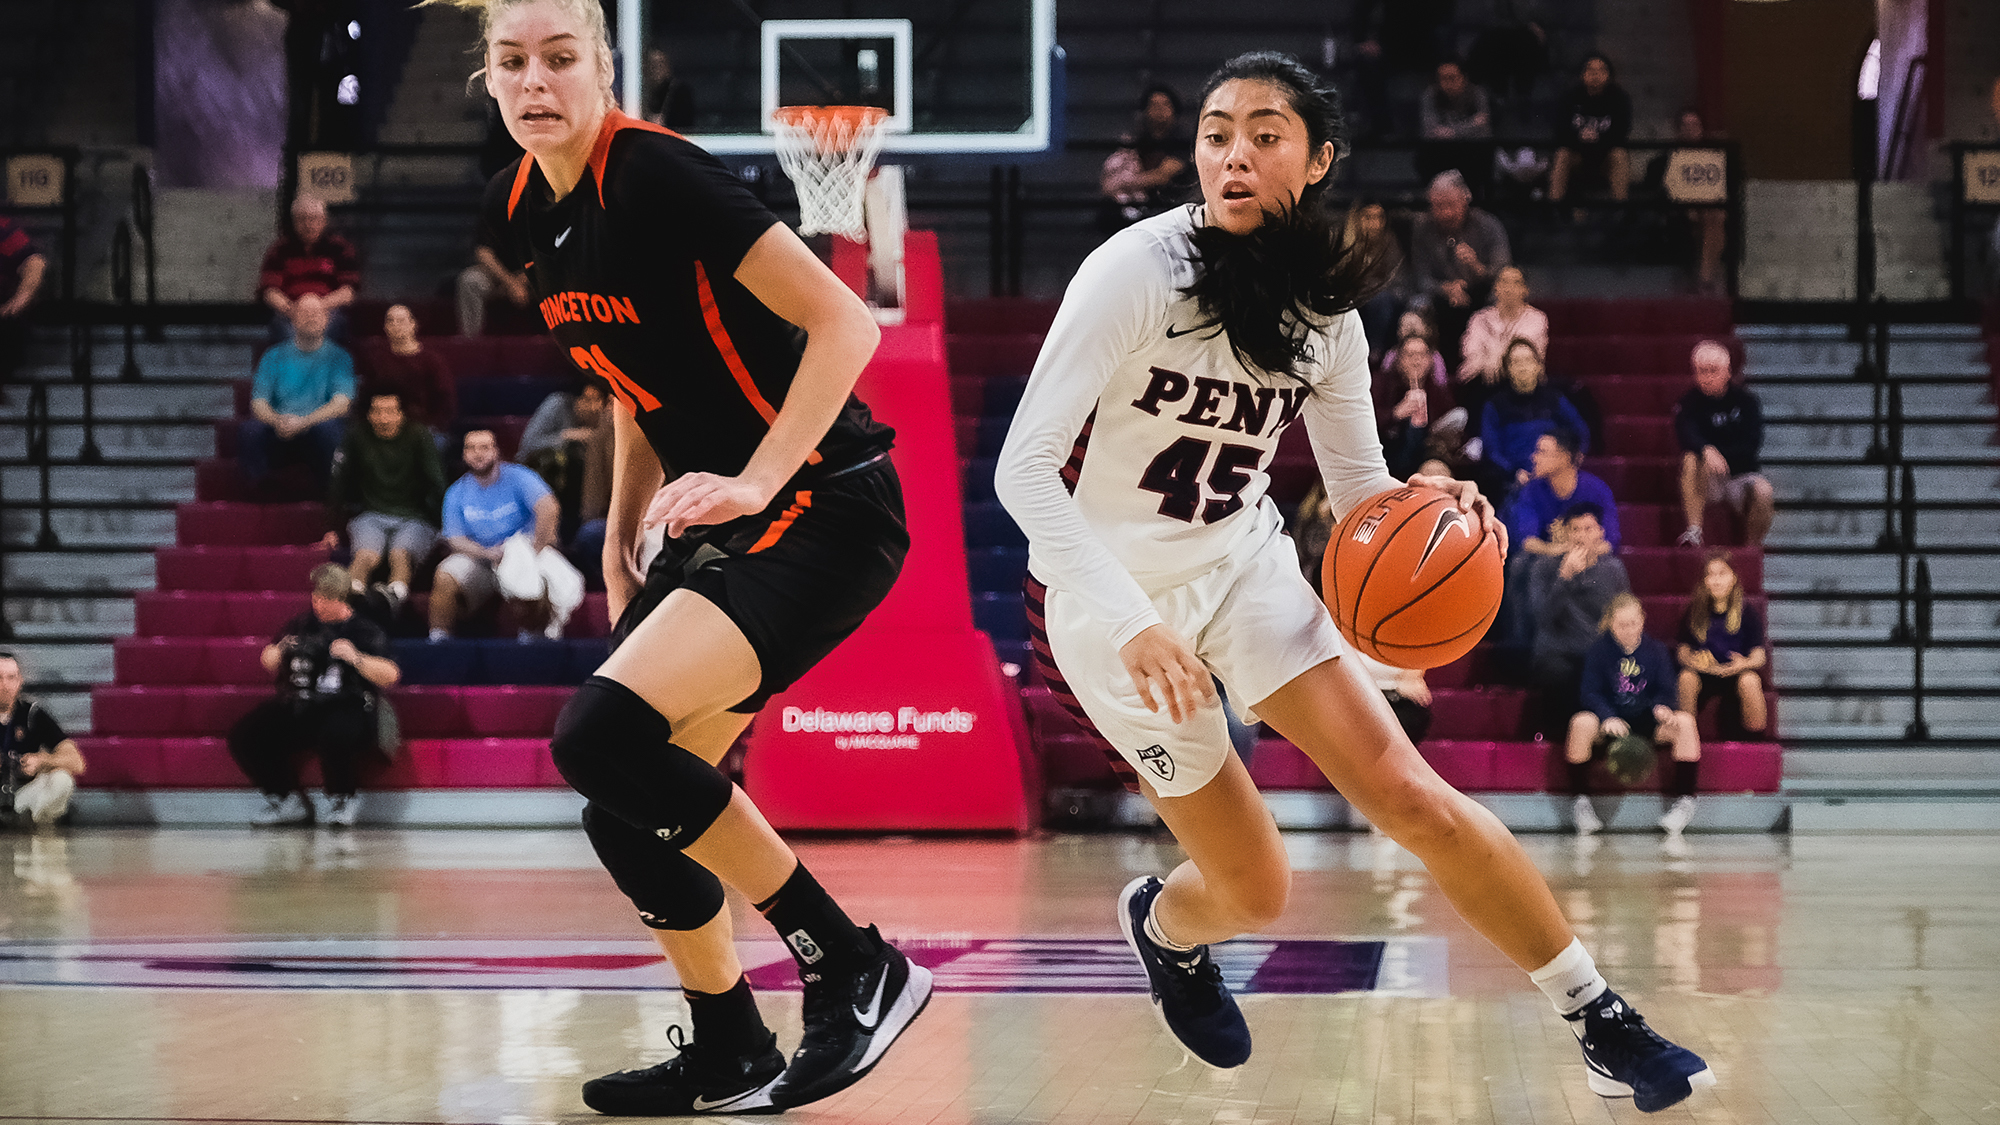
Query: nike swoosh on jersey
[873, 1016]
[1175, 332]
[562, 236]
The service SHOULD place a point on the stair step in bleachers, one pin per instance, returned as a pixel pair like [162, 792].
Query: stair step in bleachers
[151, 762]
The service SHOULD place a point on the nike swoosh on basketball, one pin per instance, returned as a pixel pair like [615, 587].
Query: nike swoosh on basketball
[1448, 519]
[563, 235]
[873, 1015]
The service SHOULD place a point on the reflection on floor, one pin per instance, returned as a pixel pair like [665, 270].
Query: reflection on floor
[480, 976]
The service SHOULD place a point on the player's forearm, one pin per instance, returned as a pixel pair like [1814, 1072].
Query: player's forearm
[836, 351]
[66, 756]
[636, 474]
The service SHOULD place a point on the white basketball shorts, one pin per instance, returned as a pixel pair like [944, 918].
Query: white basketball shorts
[1254, 621]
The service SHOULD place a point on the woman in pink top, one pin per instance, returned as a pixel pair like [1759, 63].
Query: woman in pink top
[1509, 316]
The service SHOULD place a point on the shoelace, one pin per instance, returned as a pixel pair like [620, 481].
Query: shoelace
[1627, 1032]
[1196, 983]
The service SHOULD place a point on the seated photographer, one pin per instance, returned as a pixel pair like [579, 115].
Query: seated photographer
[330, 665]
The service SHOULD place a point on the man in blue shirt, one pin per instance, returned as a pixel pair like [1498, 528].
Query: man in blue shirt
[1535, 523]
[299, 401]
[492, 503]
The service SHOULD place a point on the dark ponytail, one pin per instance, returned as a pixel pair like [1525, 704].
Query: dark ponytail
[1269, 289]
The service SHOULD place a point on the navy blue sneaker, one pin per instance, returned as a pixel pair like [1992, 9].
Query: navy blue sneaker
[1188, 993]
[1626, 1059]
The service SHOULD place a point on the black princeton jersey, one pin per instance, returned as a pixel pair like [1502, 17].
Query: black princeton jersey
[633, 272]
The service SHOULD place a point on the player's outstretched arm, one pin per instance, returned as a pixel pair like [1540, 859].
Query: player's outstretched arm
[841, 335]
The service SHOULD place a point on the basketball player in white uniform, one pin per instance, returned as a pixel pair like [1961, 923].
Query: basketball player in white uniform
[1136, 466]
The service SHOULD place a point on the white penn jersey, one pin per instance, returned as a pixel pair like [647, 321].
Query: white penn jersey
[1137, 458]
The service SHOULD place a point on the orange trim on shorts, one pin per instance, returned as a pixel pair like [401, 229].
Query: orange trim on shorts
[784, 523]
[712, 314]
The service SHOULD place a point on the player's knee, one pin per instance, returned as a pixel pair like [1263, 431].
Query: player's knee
[613, 747]
[1260, 900]
[669, 890]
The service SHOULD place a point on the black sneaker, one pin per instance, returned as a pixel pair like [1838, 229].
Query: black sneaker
[697, 1080]
[1626, 1059]
[850, 1022]
[1188, 993]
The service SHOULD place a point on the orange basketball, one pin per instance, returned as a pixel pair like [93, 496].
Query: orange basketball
[1411, 580]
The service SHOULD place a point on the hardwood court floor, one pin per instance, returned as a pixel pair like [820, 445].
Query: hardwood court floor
[480, 976]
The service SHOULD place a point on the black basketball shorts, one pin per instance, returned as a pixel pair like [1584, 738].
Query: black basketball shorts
[797, 578]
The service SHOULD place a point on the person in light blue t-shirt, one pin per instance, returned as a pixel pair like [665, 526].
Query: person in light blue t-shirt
[483, 509]
[299, 401]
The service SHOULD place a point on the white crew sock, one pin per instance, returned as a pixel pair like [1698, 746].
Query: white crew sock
[1571, 979]
[1158, 936]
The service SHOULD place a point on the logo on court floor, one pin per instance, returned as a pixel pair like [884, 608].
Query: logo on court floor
[1159, 761]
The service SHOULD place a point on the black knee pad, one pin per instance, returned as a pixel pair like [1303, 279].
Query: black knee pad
[671, 891]
[614, 748]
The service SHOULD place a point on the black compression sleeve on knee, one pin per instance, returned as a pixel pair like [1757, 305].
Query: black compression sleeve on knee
[1685, 776]
[670, 891]
[614, 748]
[1579, 778]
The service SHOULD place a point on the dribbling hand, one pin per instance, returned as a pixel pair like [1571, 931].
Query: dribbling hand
[701, 499]
[1167, 673]
[1470, 501]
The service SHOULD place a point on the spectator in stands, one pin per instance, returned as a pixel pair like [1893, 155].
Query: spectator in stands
[1569, 594]
[1721, 430]
[1722, 647]
[1368, 227]
[1709, 225]
[400, 365]
[331, 665]
[39, 764]
[1514, 419]
[1408, 695]
[299, 399]
[22, 268]
[485, 280]
[1455, 251]
[1535, 523]
[1510, 317]
[568, 441]
[1626, 688]
[311, 261]
[1148, 172]
[669, 100]
[387, 478]
[494, 505]
[1592, 124]
[1408, 397]
[1457, 127]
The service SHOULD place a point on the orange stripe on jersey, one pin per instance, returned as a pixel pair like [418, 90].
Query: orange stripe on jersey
[712, 313]
[783, 523]
[520, 182]
[600, 150]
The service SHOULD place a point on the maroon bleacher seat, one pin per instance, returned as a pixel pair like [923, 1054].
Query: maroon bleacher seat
[201, 763]
[178, 613]
[250, 613]
[213, 708]
[513, 710]
[1660, 525]
[1675, 570]
[160, 660]
[1649, 435]
[987, 316]
[1648, 396]
[1277, 764]
[1011, 354]
[532, 356]
[429, 712]
[1625, 316]
[1586, 356]
[1464, 764]
[1639, 480]
[140, 709]
[496, 763]
[235, 660]
[230, 524]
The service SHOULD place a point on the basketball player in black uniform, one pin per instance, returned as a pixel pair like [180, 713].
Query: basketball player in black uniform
[732, 352]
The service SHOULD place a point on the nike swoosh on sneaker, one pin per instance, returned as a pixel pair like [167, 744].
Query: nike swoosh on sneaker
[562, 236]
[703, 1105]
[873, 1016]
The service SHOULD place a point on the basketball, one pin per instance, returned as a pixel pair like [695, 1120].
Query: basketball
[1630, 758]
[1411, 580]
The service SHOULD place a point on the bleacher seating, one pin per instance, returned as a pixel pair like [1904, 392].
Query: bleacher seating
[1633, 355]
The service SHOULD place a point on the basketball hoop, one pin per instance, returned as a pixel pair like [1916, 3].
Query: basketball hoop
[827, 150]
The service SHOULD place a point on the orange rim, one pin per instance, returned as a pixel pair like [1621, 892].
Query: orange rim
[831, 123]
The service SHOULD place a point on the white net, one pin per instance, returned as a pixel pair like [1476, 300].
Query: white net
[827, 151]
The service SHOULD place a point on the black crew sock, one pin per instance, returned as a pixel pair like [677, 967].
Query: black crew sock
[1579, 778]
[823, 939]
[1685, 774]
[728, 1023]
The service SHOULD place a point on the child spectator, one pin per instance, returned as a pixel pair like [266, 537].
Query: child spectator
[387, 477]
[1568, 594]
[1408, 399]
[1626, 687]
[1592, 124]
[399, 364]
[299, 399]
[1722, 647]
[309, 262]
[1721, 430]
[1516, 418]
